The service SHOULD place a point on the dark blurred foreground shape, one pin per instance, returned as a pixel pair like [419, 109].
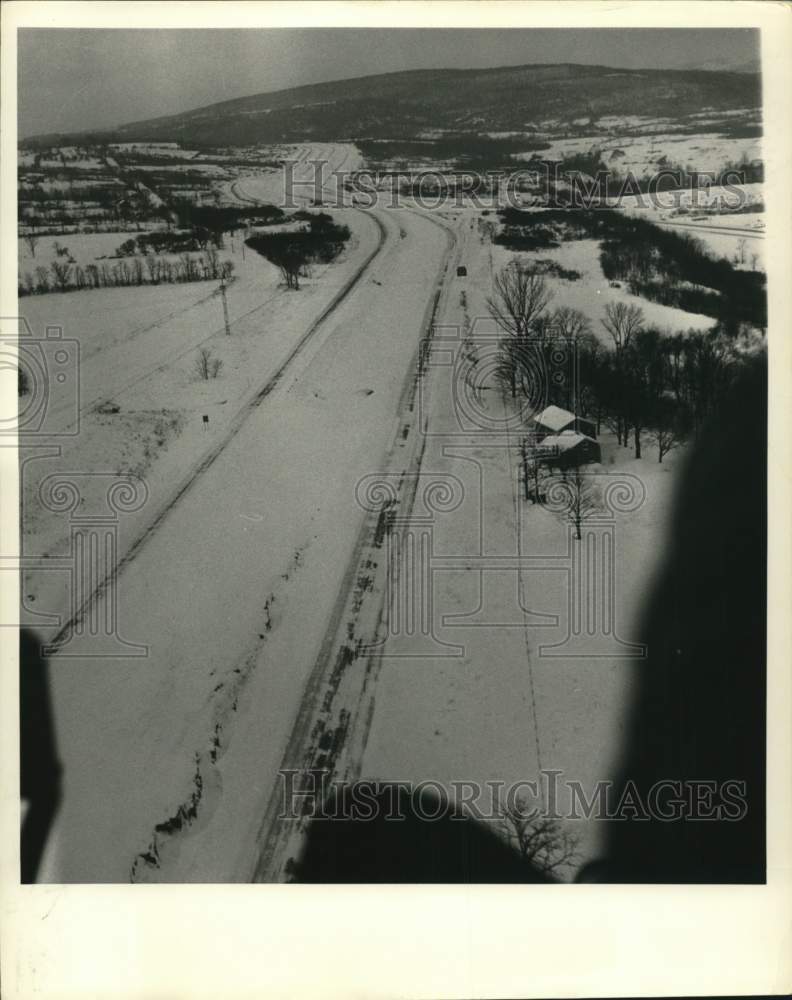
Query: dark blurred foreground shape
[39, 768]
[413, 849]
[700, 709]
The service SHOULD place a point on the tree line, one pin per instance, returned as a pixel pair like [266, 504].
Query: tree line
[658, 263]
[638, 381]
[66, 276]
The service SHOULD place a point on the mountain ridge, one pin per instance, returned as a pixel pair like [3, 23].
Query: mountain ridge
[403, 103]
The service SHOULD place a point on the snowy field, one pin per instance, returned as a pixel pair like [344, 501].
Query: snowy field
[739, 237]
[643, 154]
[85, 248]
[592, 292]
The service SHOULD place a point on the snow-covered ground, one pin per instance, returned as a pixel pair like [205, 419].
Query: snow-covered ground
[592, 292]
[220, 591]
[84, 248]
[706, 214]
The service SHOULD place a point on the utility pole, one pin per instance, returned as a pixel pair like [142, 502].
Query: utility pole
[225, 306]
[525, 468]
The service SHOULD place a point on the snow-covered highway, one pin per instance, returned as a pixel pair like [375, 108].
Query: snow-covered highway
[169, 760]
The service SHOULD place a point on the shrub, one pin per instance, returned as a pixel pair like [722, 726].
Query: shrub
[292, 252]
[206, 366]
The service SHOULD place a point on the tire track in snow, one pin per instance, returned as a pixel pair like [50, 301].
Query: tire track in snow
[342, 643]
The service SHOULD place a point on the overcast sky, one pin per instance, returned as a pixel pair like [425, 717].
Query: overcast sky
[80, 79]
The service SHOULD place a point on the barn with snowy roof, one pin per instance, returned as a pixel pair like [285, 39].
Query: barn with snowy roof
[555, 420]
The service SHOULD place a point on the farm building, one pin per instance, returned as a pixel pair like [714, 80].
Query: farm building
[555, 420]
[568, 450]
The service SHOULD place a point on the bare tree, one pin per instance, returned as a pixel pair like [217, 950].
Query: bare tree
[540, 840]
[520, 296]
[212, 263]
[42, 279]
[669, 426]
[666, 439]
[62, 274]
[206, 366]
[92, 275]
[581, 500]
[517, 363]
[592, 369]
[153, 268]
[571, 324]
[622, 323]
[31, 241]
[534, 473]
[644, 377]
[291, 260]
[189, 269]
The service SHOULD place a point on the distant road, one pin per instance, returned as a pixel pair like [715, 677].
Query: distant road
[752, 234]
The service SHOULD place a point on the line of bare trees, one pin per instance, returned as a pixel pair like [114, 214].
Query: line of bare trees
[662, 386]
[646, 385]
[65, 276]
